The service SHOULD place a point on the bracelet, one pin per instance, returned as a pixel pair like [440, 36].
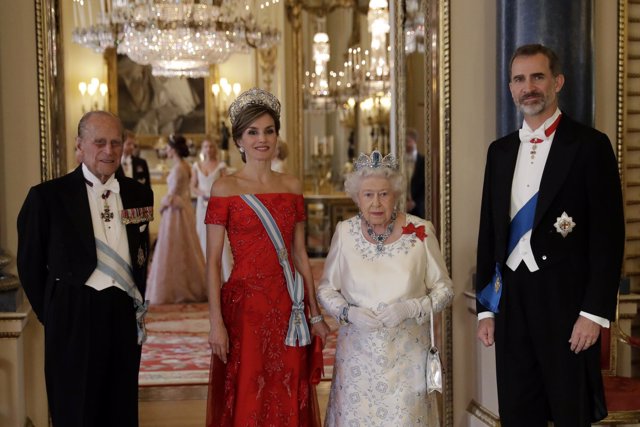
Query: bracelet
[316, 319]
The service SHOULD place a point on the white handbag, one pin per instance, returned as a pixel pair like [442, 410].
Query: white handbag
[434, 367]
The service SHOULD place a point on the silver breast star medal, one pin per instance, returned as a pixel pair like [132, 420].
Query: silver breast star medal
[106, 214]
[564, 224]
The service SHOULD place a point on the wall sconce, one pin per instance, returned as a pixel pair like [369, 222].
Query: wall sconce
[94, 93]
[222, 93]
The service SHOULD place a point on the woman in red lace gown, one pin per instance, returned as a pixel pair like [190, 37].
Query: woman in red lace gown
[257, 380]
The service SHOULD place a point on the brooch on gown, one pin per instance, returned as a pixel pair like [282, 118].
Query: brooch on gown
[137, 215]
[412, 229]
[564, 224]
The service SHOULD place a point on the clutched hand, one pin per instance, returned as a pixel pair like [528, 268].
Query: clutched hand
[219, 341]
[396, 313]
[363, 318]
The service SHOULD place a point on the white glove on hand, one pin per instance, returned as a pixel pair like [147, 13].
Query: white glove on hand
[394, 314]
[363, 318]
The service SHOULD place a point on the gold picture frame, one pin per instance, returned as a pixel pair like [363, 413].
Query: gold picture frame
[188, 109]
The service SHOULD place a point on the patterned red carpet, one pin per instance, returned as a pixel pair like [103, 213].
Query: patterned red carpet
[177, 351]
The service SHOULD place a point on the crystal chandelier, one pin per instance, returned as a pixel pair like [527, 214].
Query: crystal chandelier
[321, 83]
[414, 28]
[365, 72]
[378, 19]
[175, 37]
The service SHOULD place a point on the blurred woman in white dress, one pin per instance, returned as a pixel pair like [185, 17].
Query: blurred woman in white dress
[383, 276]
[278, 163]
[205, 173]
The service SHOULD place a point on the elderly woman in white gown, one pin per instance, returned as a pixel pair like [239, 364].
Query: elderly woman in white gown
[383, 276]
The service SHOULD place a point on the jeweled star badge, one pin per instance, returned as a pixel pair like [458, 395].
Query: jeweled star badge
[564, 224]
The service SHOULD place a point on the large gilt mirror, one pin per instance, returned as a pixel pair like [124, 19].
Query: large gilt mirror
[418, 88]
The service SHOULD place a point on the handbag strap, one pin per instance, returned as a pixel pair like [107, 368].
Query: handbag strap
[298, 329]
[433, 343]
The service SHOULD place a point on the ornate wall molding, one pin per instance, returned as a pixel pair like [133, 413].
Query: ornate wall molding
[51, 116]
[268, 59]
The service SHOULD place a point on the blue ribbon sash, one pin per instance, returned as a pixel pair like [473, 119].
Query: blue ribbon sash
[520, 225]
[522, 222]
[298, 329]
[114, 266]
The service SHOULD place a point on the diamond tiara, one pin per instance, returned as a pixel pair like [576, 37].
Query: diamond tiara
[254, 96]
[375, 161]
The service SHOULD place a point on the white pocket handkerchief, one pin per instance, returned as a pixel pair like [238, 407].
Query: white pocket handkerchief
[143, 227]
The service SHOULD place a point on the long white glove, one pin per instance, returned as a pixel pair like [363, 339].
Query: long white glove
[363, 318]
[398, 312]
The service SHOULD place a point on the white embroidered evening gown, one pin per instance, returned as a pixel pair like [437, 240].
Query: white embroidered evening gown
[379, 375]
[204, 184]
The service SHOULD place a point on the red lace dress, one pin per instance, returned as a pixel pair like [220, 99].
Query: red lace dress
[264, 383]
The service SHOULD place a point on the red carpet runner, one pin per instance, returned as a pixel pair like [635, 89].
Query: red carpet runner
[177, 351]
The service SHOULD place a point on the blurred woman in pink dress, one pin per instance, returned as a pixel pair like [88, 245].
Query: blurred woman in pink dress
[177, 266]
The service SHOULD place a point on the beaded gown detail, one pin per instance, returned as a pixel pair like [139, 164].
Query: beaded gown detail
[176, 274]
[265, 382]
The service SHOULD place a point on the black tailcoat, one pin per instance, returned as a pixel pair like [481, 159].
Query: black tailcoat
[579, 272]
[140, 171]
[56, 256]
[417, 186]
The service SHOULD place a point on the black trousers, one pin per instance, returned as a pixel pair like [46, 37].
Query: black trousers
[539, 378]
[92, 357]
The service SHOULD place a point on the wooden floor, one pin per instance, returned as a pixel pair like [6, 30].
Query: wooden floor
[187, 406]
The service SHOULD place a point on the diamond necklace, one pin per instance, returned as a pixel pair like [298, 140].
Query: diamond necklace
[379, 239]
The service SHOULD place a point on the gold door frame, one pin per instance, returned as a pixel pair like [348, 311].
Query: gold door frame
[436, 129]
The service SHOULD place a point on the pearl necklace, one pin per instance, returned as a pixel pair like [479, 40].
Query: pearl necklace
[379, 239]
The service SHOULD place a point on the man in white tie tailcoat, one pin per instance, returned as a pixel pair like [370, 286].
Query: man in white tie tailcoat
[549, 256]
[82, 257]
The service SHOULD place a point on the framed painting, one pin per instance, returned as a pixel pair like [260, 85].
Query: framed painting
[154, 107]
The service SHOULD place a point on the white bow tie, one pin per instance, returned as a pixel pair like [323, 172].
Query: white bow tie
[113, 186]
[534, 137]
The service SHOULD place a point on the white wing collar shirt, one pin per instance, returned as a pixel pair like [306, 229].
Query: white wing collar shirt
[105, 205]
[532, 156]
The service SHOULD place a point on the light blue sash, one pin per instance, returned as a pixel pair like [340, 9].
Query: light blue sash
[114, 266]
[298, 329]
[520, 225]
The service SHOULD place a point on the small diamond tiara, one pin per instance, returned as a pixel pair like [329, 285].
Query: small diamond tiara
[254, 96]
[375, 161]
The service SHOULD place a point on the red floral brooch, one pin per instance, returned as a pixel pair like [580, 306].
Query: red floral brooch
[412, 229]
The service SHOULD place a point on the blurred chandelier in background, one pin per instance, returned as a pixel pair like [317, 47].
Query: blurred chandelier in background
[321, 83]
[414, 27]
[175, 37]
[365, 72]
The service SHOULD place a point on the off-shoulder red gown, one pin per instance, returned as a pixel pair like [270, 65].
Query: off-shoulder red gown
[264, 383]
